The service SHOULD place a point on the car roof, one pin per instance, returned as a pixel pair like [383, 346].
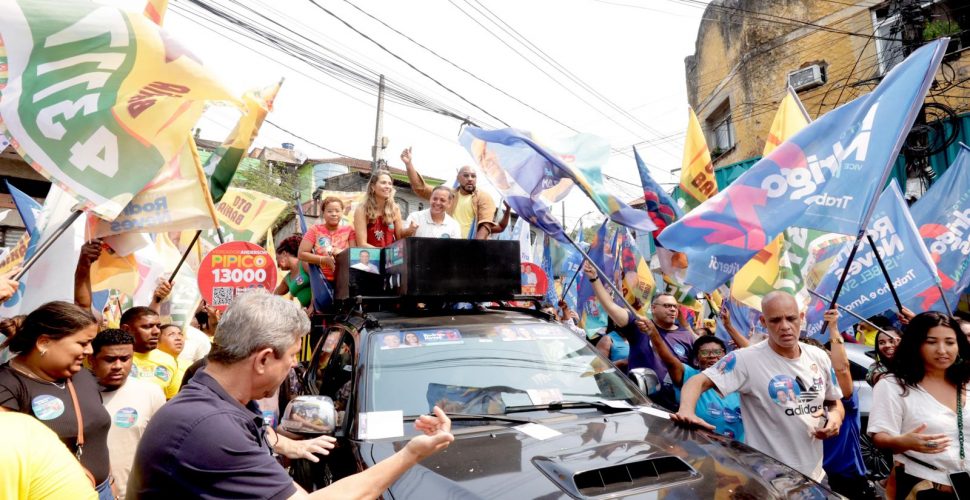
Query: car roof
[457, 318]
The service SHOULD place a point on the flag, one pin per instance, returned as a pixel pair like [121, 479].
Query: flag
[155, 11]
[29, 211]
[743, 318]
[866, 292]
[176, 199]
[825, 177]
[301, 218]
[942, 217]
[790, 119]
[552, 296]
[221, 166]
[91, 90]
[44, 281]
[245, 215]
[662, 209]
[635, 278]
[523, 233]
[519, 167]
[592, 317]
[572, 267]
[697, 181]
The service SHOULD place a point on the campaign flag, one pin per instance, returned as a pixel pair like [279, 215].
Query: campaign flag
[245, 215]
[221, 166]
[572, 267]
[763, 272]
[592, 317]
[824, 177]
[942, 216]
[662, 209]
[155, 11]
[866, 292]
[697, 181]
[44, 281]
[634, 277]
[30, 213]
[552, 296]
[523, 233]
[95, 98]
[519, 166]
[743, 319]
[176, 199]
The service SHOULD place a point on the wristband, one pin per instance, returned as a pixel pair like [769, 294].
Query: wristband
[594, 279]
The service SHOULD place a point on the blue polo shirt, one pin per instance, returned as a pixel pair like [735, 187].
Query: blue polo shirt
[205, 444]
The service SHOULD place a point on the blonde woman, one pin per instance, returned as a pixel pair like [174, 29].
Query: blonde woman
[379, 217]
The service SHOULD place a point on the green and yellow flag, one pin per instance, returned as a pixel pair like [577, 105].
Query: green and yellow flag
[244, 215]
[697, 182]
[221, 166]
[95, 98]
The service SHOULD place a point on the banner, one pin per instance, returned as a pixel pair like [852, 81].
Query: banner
[697, 181]
[97, 99]
[823, 178]
[592, 317]
[29, 211]
[866, 292]
[221, 166]
[517, 165]
[552, 295]
[572, 267]
[634, 276]
[244, 215]
[232, 269]
[662, 209]
[942, 217]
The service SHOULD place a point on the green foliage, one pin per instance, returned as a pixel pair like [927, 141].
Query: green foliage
[940, 28]
[275, 179]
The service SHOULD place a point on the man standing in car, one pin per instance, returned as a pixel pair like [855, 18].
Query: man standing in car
[789, 398]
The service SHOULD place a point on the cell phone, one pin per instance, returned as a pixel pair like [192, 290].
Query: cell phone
[961, 484]
[825, 418]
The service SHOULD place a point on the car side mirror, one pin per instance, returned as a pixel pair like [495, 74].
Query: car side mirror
[309, 415]
[646, 379]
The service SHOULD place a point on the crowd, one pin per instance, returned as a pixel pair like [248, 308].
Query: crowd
[149, 410]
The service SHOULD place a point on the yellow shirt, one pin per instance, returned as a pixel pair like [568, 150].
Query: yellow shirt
[464, 213]
[159, 368]
[35, 464]
[867, 335]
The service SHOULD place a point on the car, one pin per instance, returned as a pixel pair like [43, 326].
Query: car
[537, 413]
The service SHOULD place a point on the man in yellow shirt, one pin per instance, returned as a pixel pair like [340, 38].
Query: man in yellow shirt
[150, 363]
[34, 463]
[470, 206]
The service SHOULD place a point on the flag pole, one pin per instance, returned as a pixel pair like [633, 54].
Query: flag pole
[46, 244]
[946, 303]
[601, 274]
[889, 281]
[858, 317]
[185, 255]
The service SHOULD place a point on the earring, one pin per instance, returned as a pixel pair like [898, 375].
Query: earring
[43, 352]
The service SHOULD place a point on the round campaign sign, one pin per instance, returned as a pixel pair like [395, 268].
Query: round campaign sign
[534, 280]
[233, 268]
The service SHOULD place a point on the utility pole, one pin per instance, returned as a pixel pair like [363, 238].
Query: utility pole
[380, 142]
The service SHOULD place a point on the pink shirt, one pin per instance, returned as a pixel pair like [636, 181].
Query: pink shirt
[326, 241]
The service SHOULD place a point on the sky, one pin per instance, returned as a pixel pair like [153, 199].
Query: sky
[607, 68]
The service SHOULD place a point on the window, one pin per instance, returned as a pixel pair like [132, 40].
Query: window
[886, 25]
[722, 130]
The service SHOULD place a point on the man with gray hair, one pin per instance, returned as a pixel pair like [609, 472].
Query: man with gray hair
[210, 440]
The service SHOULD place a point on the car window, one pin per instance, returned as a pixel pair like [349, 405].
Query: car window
[485, 369]
[858, 371]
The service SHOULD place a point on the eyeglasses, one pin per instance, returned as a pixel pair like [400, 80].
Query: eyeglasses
[667, 306]
[711, 352]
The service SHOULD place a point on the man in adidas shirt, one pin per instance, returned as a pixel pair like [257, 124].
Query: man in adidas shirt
[789, 396]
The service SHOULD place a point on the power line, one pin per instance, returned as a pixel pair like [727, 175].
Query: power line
[304, 139]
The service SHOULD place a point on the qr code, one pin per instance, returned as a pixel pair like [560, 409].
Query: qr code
[223, 295]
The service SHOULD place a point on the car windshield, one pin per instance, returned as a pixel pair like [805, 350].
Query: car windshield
[487, 369]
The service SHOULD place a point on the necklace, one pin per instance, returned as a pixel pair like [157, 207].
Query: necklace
[27, 372]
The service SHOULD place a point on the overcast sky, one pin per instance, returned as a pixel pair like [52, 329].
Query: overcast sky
[629, 58]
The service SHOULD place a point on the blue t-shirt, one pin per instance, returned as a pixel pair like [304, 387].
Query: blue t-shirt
[619, 348]
[723, 413]
[842, 454]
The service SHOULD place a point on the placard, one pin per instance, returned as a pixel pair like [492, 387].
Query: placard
[534, 280]
[234, 268]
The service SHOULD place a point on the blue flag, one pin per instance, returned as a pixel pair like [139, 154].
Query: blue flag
[942, 217]
[551, 296]
[592, 317]
[519, 167]
[825, 177]
[27, 207]
[743, 318]
[866, 292]
[662, 209]
[571, 265]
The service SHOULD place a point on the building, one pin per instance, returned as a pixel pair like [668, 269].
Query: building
[748, 51]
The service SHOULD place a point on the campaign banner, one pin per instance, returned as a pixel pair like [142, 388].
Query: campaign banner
[824, 177]
[243, 215]
[534, 279]
[942, 216]
[866, 291]
[95, 98]
[697, 181]
[592, 317]
[232, 269]
[662, 209]
[29, 210]
[176, 199]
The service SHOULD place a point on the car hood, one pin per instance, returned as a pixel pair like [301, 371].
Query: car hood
[596, 455]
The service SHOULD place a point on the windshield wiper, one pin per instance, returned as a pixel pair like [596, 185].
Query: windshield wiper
[559, 405]
[483, 417]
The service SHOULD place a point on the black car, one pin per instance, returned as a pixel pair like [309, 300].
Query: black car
[537, 413]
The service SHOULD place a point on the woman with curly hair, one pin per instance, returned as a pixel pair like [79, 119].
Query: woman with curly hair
[379, 217]
[921, 411]
[296, 281]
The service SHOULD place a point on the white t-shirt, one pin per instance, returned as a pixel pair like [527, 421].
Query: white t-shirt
[778, 397]
[130, 407]
[427, 228]
[897, 414]
[197, 346]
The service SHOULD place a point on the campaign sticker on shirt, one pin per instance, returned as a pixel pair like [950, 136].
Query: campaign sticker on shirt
[126, 417]
[680, 350]
[714, 409]
[47, 407]
[163, 373]
[269, 418]
[732, 416]
[726, 364]
[783, 390]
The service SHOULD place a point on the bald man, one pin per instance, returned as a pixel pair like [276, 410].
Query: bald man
[790, 398]
[470, 205]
